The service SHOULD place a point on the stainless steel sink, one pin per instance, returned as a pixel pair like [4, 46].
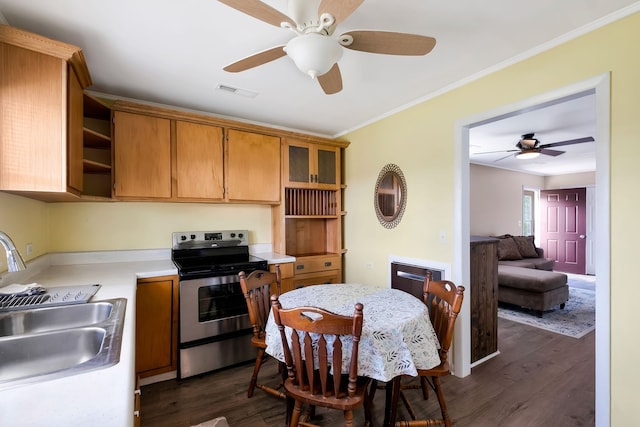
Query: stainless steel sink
[52, 318]
[47, 343]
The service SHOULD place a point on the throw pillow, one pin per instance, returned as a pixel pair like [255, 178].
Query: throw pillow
[508, 250]
[526, 247]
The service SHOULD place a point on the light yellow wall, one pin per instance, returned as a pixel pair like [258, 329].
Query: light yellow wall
[133, 225]
[25, 221]
[495, 200]
[420, 140]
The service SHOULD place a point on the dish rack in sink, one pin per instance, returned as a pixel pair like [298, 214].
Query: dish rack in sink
[62, 295]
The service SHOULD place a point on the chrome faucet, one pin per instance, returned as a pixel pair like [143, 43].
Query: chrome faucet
[14, 260]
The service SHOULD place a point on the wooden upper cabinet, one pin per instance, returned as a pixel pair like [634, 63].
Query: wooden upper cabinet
[142, 156]
[41, 112]
[310, 165]
[253, 167]
[199, 161]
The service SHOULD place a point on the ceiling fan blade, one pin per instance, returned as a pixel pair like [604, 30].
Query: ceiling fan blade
[502, 158]
[548, 152]
[390, 43]
[256, 59]
[569, 142]
[259, 10]
[494, 152]
[331, 81]
[340, 9]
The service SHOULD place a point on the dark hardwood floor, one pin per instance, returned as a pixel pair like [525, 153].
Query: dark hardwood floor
[539, 379]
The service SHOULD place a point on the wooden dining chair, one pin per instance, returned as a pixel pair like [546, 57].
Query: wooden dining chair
[314, 357]
[444, 301]
[257, 287]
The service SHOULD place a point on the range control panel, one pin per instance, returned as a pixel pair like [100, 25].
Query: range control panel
[210, 238]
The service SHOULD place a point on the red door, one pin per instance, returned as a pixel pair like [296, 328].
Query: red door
[563, 228]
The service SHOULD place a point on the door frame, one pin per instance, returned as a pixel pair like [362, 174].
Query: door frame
[600, 86]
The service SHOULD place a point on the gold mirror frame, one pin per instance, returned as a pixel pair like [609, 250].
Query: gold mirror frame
[390, 197]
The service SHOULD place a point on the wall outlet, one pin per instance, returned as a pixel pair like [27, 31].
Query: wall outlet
[369, 265]
[443, 236]
[29, 249]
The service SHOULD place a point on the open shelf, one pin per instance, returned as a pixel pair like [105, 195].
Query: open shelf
[97, 145]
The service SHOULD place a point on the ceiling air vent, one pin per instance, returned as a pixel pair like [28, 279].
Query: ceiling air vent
[237, 91]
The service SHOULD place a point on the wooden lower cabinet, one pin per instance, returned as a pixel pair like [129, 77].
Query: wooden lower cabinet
[286, 276]
[317, 270]
[156, 325]
[484, 297]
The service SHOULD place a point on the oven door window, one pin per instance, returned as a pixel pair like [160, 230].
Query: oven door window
[220, 301]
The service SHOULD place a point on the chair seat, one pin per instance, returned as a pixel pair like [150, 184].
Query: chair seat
[330, 401]
[441, 370]
[258, 342]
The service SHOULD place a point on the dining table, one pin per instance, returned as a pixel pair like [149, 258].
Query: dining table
[397, 336]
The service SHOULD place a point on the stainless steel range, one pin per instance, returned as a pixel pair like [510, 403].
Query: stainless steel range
[214, 321]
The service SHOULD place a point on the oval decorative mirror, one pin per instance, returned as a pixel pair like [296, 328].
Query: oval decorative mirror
[390, 196]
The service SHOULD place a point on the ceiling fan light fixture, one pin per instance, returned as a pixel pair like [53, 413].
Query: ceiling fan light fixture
[314, 54]
[527, 154]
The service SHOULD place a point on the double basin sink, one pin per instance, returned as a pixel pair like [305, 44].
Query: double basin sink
[42, 344]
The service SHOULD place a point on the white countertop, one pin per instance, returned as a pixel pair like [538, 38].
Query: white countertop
[103, 397]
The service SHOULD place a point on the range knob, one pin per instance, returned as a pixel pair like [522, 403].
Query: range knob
[193, 236]
[183, 237]
[240, 235]
[233, 234]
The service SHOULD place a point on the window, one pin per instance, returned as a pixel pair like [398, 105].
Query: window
[528, 212]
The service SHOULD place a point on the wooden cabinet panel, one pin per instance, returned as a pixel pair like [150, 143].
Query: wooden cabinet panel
[33, 120]
[253, 167]
[42, 82]
[310, 165]
[199, 161]
[142, 156]
[156, 325]
[484, 297]
[319, 278]
[75, 134]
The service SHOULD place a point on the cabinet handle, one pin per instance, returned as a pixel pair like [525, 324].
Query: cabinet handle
[300, 267]
[327, 264]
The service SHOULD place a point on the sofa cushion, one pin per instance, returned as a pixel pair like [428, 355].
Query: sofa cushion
[526, 247]
[530, 279]
[507, 249]
[523, 263]
[539, 263]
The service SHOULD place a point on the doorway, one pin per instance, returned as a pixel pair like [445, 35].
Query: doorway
[600, 85]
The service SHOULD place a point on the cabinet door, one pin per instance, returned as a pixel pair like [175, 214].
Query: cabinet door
[156, 325]
[253, 167]
[311, 165]
[142, 160]
[199, 161]
[33, 120]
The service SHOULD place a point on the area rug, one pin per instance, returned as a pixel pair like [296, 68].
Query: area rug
[577, 319]
[216, 422]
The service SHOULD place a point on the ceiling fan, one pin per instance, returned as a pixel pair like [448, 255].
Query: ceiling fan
[529, 147]
[315, 50]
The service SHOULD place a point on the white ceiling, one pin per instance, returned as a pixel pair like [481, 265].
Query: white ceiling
[172, 52]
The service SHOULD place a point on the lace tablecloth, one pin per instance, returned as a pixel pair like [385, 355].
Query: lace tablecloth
[397, 336]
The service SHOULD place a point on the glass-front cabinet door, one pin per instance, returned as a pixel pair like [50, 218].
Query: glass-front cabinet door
[310, 165]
